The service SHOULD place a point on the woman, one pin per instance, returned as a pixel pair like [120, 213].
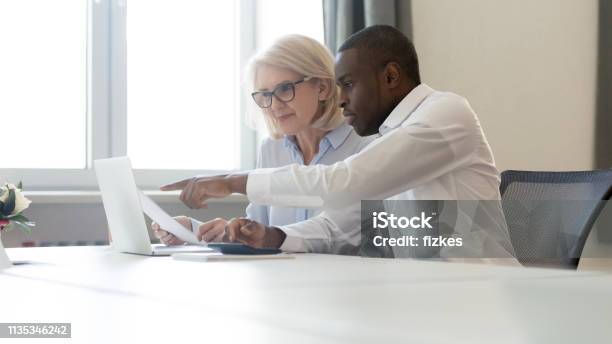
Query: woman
[294, 85]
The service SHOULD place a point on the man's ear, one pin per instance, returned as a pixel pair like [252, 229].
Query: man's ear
[392, 74]
[326, 87]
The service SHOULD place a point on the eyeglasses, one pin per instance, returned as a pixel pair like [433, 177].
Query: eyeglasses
[284, 92]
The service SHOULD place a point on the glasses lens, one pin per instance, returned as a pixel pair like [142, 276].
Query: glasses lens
[262, 99]
[285, 92]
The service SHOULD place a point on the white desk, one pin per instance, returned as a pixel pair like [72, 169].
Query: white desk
[311, 299]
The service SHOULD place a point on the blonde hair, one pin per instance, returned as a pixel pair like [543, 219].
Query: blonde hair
[309, 58]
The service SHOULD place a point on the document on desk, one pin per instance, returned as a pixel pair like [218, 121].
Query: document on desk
[166, 221]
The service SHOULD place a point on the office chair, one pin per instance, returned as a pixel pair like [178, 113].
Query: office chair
[550, 214]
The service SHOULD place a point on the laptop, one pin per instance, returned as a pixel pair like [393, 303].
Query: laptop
[122, 204]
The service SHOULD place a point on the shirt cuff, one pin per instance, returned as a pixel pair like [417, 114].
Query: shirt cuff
[294, 242]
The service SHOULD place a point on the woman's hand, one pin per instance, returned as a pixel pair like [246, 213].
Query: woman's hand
[168, 238]
[196, 190]
[212, 231]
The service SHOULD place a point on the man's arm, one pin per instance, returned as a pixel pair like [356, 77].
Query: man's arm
[444, 138]
[335, 232]
[324, 233]
[410, 156]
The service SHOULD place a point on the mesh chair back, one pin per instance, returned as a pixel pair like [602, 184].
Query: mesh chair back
[550, 214]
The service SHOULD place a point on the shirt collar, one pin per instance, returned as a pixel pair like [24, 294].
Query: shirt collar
[289, 141]
[405, 108]
[336, 137]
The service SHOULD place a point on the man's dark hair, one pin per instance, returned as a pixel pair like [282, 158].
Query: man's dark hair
[381, 44]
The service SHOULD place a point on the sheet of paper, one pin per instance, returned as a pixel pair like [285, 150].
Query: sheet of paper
[166, 221]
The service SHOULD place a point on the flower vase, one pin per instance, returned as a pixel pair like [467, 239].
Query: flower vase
[5, 262]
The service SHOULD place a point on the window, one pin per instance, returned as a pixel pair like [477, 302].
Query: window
[43, 83]
[182, 76]
[156, 80]
[276, 18]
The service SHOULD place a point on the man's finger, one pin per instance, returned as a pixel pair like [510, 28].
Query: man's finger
[180, 185]
[247, 230]
[247, 233]
[233, 228]
[188, 196]
[198, 199]
[183, 195]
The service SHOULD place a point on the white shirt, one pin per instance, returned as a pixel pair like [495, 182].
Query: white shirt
[432, 147]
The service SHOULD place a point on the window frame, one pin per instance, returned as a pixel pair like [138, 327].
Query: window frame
[106, 112]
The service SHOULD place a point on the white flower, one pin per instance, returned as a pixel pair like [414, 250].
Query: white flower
[21, 203]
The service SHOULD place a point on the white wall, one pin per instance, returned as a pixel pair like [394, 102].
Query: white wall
[528, 69]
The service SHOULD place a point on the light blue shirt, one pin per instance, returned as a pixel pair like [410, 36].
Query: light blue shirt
[337, 145]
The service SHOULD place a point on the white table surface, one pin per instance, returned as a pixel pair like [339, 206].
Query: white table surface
[124, 298]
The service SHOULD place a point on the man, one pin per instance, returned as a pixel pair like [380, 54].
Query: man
[431, 147]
